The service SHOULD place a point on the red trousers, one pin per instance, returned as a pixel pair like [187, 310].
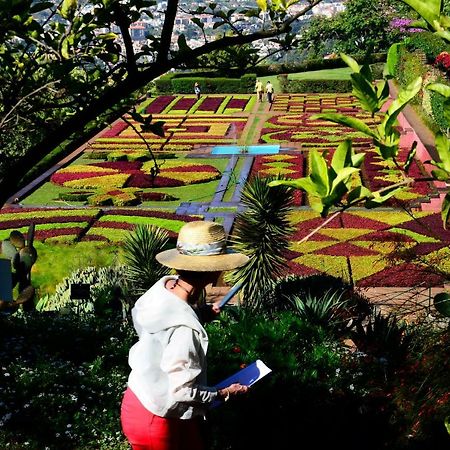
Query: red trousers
[145, 431]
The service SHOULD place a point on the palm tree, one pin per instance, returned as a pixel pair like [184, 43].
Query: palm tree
[261, 232]
[140, 247]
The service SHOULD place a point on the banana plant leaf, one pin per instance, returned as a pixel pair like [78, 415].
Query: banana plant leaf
[429, 10]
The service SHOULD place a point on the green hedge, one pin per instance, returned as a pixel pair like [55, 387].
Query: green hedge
[317, 86]
[173, 83]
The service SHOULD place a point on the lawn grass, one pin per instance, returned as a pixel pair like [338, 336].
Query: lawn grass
[57, 261]
[342, 73]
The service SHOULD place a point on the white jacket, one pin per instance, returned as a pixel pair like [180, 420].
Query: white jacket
[168, 363]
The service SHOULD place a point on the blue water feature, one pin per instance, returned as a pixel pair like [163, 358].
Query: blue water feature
[245, 150]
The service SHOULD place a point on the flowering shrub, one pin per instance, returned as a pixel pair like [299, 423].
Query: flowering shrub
[442, 62]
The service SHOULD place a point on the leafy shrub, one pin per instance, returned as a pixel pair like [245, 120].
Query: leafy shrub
[62, 379]
[429, 43]
[75, 196]
[101, 280]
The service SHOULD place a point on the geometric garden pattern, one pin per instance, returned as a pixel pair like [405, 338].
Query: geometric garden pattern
[116, 170]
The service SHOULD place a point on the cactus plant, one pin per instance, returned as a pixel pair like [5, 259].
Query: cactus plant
[22, 254]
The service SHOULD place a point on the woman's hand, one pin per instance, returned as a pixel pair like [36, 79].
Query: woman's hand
[231, 391]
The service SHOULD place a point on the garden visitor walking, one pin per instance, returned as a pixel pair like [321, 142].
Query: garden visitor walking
[259, 90]
[197, 90]
[269, 91]
[167, 396]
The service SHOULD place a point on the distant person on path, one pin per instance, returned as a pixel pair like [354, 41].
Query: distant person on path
[197, 90]
[269, 91]
[167, 396]
[259, 90]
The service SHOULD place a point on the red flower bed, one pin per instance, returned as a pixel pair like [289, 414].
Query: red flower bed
[403, 275]
[429, 226]
[19, 223]
[121, 166]
[197, 129]
[61, 178]
[142, 180]
[202, 168]
[211, 104]
[237, 103]
[115, 225]
[184, 104]
[159, 104]
[115, 130]
[40, 235]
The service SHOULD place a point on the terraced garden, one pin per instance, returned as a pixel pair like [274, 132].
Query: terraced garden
[111, 186]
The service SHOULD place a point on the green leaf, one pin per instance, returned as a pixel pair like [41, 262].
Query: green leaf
[198, 22]
[363, 90]
[440, 175]
[441, 302]
[107, 36]
[351, 122]
[350, 62]
[182, 44]
[342, 155]
[443, 151]
[410, 157]
[445, 210]
[429, 10]
[68, 8]
[343, 176]
[404, 97]
[304, 184]
[382, 90]
[357, 194]
[157, 128]
[440, 88]
[392, 60]
[319, 173]
[38, 7]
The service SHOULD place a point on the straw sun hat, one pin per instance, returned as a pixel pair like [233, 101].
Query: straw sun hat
[201, 247]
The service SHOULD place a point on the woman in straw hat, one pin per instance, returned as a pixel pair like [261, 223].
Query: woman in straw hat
[167, 396]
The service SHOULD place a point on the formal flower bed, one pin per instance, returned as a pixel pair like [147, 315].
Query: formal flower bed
[122, 183]
[54, 224]
[358, 246]
[115, 224]
[311, 103]
[159, 104]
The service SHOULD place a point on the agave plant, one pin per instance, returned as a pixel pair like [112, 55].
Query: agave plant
[261, 232]
[323, 310]
[384, 337]
[140, 247]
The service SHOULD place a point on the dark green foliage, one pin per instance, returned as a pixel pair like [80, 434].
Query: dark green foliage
[317, 86]
[75, 196]
[209, 85]
[262, 233]
[64, 377]
[384, 336]
[288, 291]
[429, 43]
[248, 81]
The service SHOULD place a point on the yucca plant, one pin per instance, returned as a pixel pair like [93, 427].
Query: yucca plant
[262, 233]
[141, 246]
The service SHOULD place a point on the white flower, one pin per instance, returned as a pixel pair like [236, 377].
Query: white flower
[351, 387]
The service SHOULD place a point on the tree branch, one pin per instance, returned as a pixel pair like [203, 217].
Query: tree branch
[167, 30]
